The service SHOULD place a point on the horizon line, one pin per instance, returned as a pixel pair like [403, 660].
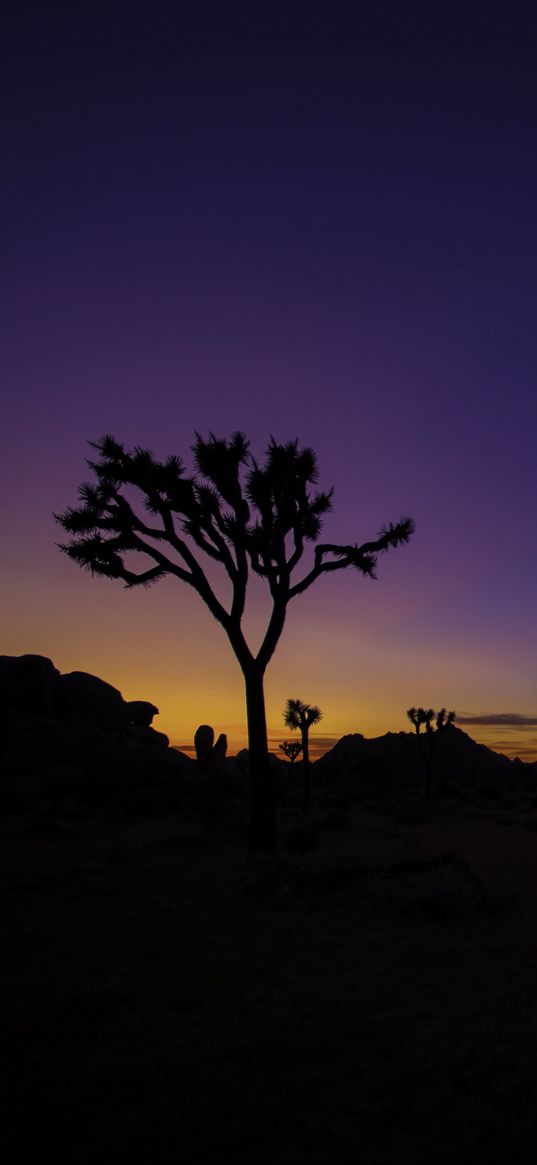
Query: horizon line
[321, 745]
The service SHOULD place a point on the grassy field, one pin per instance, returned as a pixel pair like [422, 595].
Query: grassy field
[372, 999]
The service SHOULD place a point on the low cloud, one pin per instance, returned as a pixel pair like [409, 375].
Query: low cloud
[522, 748]
[498, 719]
[326, 741]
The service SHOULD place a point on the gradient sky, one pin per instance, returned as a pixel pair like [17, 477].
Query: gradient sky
[290, 226]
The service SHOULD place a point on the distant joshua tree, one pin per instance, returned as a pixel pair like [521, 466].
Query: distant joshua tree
[243, 515]
[299, 715]
[419, 717]
[291, 749]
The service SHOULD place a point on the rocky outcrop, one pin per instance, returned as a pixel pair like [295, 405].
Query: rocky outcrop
[140, 713]
[62, 732]
[87, 699]
[28, 686]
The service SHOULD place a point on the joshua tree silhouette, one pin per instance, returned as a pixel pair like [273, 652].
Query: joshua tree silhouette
[244, 515]
[296, 714]
[418, 717]
[291, 749]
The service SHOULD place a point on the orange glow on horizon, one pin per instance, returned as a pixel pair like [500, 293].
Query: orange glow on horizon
[509, 744]
[362, 677]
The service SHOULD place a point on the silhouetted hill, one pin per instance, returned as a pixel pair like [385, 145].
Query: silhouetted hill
[402, 756]
[67, 734]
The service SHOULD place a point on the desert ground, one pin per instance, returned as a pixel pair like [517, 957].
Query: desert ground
[369, 996]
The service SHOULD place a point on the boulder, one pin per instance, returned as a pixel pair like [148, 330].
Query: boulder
[140, 713]
[72, 735]
[86, 698]
[28, 686]
[141, 734]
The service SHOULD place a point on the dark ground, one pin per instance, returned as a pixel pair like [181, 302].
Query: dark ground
[372, 1001]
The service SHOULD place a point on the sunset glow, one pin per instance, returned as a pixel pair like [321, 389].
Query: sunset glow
[221, 244]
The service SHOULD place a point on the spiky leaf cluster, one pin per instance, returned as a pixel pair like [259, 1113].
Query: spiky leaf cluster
[244, 514]
[284, 504]
[421, 717]
[299, 715]
[291, 749]
[234, 509]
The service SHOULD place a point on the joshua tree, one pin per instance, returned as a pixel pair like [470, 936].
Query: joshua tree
[244, 515]
[291, 749]
[296, 714]
[419, 716]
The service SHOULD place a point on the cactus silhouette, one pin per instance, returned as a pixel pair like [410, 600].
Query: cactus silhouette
[210, 757]
[218, 755]
[247, 516]
[420, 717]
[203, 743]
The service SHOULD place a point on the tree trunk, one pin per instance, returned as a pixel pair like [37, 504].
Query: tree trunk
[305, 772]
[262, 781]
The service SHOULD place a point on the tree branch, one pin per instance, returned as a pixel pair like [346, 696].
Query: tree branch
[361, 558]
[217, 548]
[298, 550]
[273, 632]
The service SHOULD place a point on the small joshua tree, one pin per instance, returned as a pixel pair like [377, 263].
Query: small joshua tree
[142, 519]
[419, 717]
[299, 715]
[291, 749]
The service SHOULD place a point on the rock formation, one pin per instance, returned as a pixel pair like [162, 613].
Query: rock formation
[86, 698]
[65, 731]
[28, 685]
[211, 757]
[140, 713]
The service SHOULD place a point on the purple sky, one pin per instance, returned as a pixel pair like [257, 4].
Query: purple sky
[305, 229]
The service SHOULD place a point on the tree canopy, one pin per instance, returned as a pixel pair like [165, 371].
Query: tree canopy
[250, 517]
